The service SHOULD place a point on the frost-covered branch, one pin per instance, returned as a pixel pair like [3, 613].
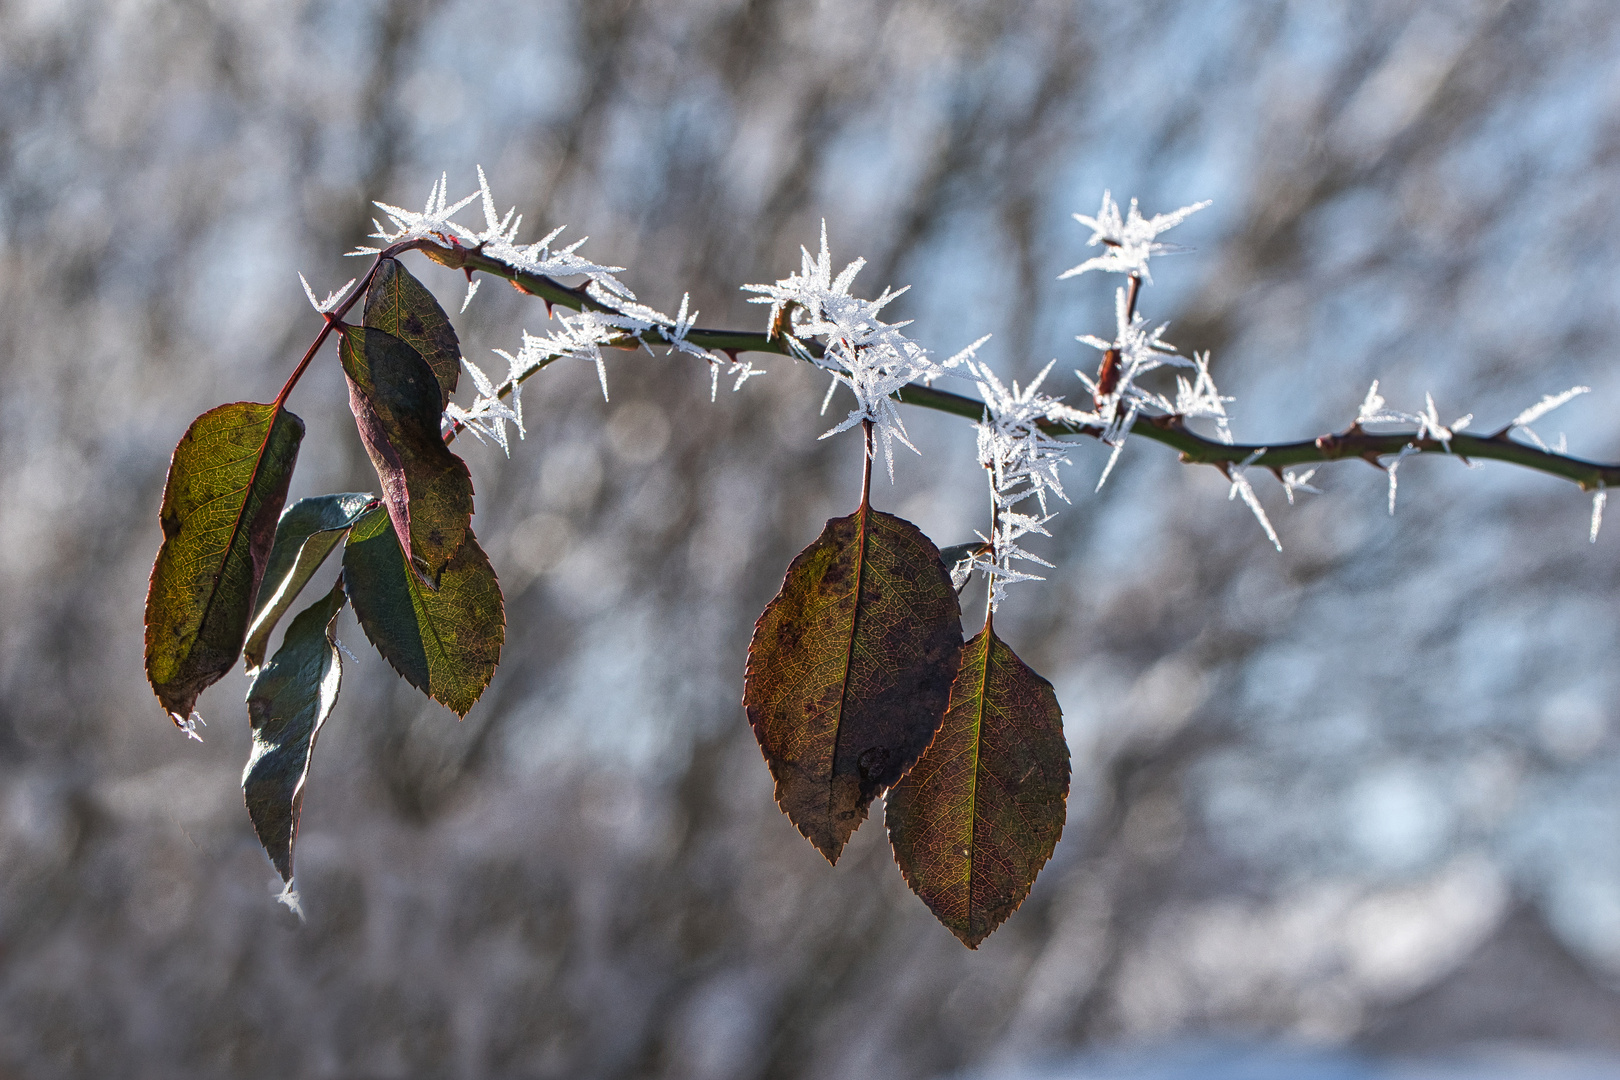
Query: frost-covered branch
[1130, 240]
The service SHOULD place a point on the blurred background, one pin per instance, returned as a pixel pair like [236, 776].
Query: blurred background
[1351, 810]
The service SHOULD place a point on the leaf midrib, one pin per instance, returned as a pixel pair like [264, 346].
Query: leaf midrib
[849, 652]
[973, 781]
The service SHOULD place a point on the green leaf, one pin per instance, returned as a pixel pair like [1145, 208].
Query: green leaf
[288, 702]
[850, 670]
[977, 817]
[446, 642]
[395, 400]
[308, 531]
[227, 482]
[400, 305]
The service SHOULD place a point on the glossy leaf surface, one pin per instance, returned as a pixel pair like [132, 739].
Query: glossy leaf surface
[395, 401]
[400, 305]
[290, 699]
[445, 642]
[227, 483]
[850, 670]
[306, 534]
[977, 817]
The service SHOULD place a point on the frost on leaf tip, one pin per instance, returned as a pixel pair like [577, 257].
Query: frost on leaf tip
[288, 896]
[189, 724]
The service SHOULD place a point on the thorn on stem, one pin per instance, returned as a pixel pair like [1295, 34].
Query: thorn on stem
[1107, 378]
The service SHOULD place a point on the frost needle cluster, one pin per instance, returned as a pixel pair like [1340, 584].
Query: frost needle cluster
[861, 351]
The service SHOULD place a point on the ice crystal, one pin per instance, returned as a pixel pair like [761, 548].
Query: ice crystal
[1021, 461]
[189, 724]
[1541, 408]
[333, 298]
[497, 240]
[1300, 482]
[580, 336]
[1242, 487]
[289, 896]
[1010, 527]
[1135, 350]
[1393, 467]
[488, 415]
[1429, 425]
[1600, 497]
[433, 223]
[859, 349]
[1200, 398]
[1374, 410]
[1130, 238]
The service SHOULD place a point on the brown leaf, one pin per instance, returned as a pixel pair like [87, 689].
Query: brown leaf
[850, 670]
[977, 817]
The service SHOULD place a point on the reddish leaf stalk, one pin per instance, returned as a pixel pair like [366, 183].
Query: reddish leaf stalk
[334, 318]
[866, 479]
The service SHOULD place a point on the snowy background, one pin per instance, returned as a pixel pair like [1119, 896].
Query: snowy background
[1348, 811]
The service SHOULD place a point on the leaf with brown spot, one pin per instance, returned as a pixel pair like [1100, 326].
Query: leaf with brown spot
[850, 670]
[227, 483]
[398, 304]
[395, 401]
[977, 817]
